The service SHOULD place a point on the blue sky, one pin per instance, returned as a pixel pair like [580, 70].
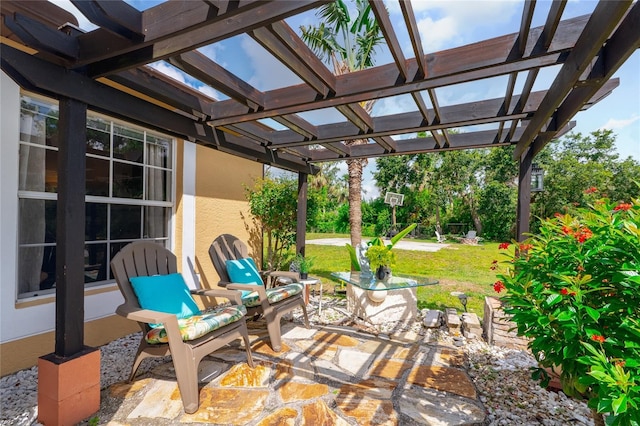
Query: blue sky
[443, 25]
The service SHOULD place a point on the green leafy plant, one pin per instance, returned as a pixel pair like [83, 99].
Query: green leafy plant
[303, 263]
[379, 254]
[574, 290]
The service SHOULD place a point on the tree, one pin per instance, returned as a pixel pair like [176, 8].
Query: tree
[273, 203]
[327, 191]
[579, 162]
[348, 45]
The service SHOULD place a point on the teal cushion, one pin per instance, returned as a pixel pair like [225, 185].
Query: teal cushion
[244, 271]
[165, 293]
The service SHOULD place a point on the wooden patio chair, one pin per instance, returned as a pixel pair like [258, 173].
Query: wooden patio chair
[171, 322]
[237, 271]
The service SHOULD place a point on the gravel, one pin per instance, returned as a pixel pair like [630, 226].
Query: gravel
[501, 376]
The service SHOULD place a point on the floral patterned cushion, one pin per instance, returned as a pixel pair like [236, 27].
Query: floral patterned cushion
[273, 294]
[198, 325]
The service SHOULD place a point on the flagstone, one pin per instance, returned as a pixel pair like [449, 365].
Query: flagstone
[390, 369]
[372, 388]
[335, 338]
[263, 347]
[299, 333]
[127, 390]
[155, 403]
[317, 349]
[228, 406]
[369, 411]
[291, 391]
[433, 408]
[295, 366]
[318, 413]
[241, 375]
[284, 417]
[354, 361]
[329, 371]
[449, 357]
[445, 379]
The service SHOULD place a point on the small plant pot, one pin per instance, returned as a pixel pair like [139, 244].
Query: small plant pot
[304, 275]
[383, 273]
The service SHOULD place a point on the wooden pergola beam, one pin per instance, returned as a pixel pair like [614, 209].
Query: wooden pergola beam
[476, 61]
[382, 17]
[43, 77]
[604, 20]
[101, 59]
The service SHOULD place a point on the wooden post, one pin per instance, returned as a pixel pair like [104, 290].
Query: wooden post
[301, 219]
[69, 378]
[70, 228]
[523, 213]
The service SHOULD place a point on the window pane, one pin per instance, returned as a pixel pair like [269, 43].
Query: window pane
[38, 122]
[158, 151]
[156, 221]
[127, 180]
[36, 268]
[125, 222]
[37, 221]
[38, 169]
[97, 176]
[98, 136]
[95, 263]
[95, 228]
[127, 144]
[158, 184]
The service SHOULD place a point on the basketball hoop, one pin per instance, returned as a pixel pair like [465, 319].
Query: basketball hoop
[394, 199]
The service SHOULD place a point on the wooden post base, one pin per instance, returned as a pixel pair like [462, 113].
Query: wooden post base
[68, 387]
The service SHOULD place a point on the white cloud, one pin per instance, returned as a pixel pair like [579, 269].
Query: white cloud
[614, 123]
[435, 35]
[210, 91]
[445, 24]
[169, 71]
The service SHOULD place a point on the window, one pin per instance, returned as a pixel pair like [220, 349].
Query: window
[128, 192]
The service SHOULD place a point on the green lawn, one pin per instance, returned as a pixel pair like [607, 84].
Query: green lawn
[458, 267]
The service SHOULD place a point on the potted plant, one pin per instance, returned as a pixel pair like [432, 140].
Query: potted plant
[379, 255]
[303, 265]
[382, 259]
[574, 290]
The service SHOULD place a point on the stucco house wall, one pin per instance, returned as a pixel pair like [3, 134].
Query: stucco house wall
[208, 200]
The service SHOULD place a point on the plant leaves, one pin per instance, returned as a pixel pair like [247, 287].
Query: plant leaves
[593, 313]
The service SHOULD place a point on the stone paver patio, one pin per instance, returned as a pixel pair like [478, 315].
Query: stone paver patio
[323, 376]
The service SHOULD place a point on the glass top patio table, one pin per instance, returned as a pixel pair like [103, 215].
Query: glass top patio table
[372, 283]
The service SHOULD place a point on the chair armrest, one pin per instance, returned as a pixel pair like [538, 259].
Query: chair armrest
[250, 287]
[143, 315]
[295, 276]
[232, 295]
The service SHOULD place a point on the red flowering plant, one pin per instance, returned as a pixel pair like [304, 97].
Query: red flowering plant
[574, 290]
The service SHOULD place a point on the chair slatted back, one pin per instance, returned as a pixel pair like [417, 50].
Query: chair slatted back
[141, 258]
[226, 247]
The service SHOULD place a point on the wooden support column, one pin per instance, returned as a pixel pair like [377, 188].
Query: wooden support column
[523, 213]
[72, 126]
[301, 222]
[69, 378]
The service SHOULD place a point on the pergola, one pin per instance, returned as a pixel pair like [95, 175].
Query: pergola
[106, 69]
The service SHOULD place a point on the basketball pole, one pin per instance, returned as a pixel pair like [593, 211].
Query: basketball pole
[393, 216]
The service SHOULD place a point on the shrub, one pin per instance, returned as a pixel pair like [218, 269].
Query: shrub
[573, 289]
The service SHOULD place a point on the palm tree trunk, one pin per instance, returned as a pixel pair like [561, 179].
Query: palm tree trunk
[355, 168]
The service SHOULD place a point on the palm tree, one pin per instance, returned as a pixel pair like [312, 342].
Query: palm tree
[348, 46]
